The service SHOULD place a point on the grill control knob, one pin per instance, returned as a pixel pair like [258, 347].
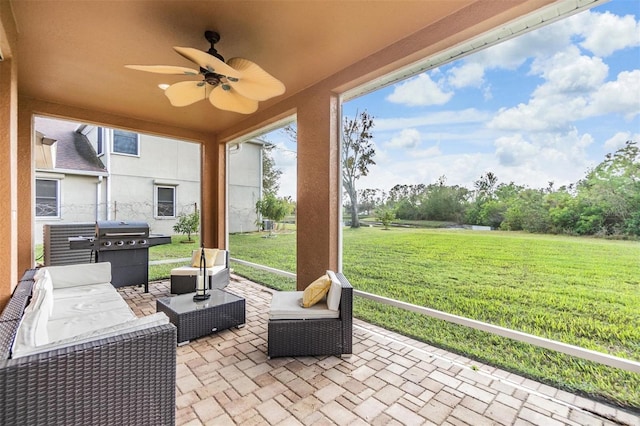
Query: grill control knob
[107, 243]
[131, 242]
[143, 242]
[120, 243]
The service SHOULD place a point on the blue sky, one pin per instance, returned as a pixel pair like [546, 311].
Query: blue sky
[542, 107]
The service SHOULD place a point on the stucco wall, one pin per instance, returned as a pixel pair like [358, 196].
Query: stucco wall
[77, 201]
[245, 185]
[162, 161]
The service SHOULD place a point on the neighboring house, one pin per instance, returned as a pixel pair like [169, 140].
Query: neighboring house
[86, 173]
[244, 179]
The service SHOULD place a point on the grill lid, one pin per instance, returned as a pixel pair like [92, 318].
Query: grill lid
[114, 228]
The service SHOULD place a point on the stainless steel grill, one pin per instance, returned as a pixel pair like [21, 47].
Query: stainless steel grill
[126, 246]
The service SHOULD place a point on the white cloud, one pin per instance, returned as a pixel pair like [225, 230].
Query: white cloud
[618, 140]
[407, 138]
[470, 74]
[553, 113]
[619, 96]
[514, 150]
[419, 91]
[465, 116]
[605, 33]
[569, 72]
[574, 89]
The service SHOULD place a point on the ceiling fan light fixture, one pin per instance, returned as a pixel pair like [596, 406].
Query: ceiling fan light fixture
[236, 85]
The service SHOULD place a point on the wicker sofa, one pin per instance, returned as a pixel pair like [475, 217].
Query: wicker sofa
[115, 377]
[296, 331]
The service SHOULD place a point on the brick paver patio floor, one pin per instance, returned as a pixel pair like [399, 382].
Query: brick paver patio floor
[226, 379]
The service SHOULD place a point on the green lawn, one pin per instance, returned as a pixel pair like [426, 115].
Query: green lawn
[581, 291]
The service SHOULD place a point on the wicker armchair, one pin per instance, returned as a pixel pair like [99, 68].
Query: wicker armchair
[311, 337]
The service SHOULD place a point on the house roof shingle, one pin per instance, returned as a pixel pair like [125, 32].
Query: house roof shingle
[74, 151]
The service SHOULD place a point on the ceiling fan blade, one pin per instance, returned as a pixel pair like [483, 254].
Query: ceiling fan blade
[164, 69]
[254, 82]
[224, 97]
[206, 61]
[186, 92]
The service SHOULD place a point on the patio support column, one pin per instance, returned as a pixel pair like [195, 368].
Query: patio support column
[213, 179]
[319, 186]
[9, 154]
[26, 189]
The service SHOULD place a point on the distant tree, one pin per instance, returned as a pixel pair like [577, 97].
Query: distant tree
[271, 207]
[357, 156]
[187, 224]
[485, 186]
[386, 216]
[370, 199]
[444, 203]
[270, 173]
[609, 196]
[485, 210]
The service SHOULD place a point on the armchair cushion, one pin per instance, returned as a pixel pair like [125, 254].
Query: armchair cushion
[210, 256]
[285, 305]
[316, 291]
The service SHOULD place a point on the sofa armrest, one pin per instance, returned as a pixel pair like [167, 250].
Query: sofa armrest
[129, 378]
[346, 313]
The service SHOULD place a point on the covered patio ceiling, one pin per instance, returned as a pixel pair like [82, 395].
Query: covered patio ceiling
[73, 53]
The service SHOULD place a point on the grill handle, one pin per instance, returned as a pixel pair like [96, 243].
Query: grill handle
[125, 234]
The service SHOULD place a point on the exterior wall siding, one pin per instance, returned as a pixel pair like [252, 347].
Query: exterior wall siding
[129, 192]
[244, 186]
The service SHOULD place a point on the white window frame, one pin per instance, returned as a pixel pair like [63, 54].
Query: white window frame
[113, 143]
[57, 199]
[156, 201]
[100, 141]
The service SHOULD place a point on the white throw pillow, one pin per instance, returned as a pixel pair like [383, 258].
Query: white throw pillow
[335, 292]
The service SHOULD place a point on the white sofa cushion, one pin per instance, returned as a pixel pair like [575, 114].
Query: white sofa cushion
[78, 275]
[92, 291]
[149, 321]
[285, 305]
[335, 292]
[66, 327]
[86, 302]
[191, 271]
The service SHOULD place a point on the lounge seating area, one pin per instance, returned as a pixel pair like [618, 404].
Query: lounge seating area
[73, 352]
[229, 377]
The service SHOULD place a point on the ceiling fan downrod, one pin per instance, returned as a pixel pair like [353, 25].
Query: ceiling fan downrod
[213, 37]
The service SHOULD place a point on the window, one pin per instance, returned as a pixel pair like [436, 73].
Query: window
[47, 198]
[100, 141]
[125, 142]
[165, 201]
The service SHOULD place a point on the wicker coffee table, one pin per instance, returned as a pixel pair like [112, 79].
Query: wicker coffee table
[196, 319]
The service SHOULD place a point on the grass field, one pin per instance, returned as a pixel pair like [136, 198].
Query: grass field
[581, 291]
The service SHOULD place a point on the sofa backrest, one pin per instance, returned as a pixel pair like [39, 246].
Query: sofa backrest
[82, 274]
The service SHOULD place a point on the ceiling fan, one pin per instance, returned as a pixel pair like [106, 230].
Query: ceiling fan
[236, 85]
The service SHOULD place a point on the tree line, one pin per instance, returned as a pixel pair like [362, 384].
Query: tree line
[606, 202]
